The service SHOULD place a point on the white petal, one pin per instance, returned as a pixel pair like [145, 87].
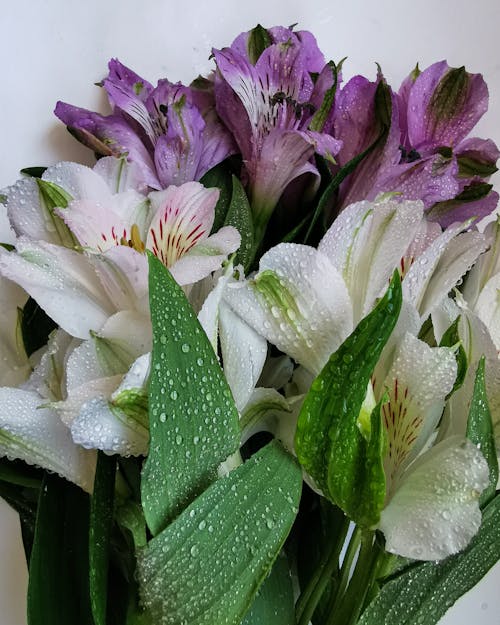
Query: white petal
[123, 274]
[118, 174]
[63, 283]
[264, 411]
[37, 436]
[366, 243]
[206, 256]
[117, 424]
[209, 313]
[14, 365]
[243, 354]
[488, 308]
[435, 511]
[418, 382]
[26, 213]
[182, 216]
[78, 180]
[440, 267]
[298, 301]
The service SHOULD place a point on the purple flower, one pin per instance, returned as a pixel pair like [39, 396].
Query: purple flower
[171, 132]
[438, 109]
[423, 154]
[266, 105]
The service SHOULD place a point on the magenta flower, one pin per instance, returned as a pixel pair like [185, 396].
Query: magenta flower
[171, 132]
[267, 107]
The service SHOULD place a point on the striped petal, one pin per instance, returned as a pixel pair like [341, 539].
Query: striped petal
[417, 384]
[183, 216]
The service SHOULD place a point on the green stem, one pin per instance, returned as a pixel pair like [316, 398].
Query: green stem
[348, 607]
[352, 550]
[310, 597]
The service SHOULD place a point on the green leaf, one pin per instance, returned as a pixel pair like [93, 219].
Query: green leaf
[258, 40]
[101, 524]
[480, 430]
[422, 593]
[219, 177]
[193, 422]
[469, 167]
[207, 566]
[274, 603]
[239, 215]
[451, 338]
[34, 172]
[328, 441]
[24, 501]
[19, 473]
[58, 587]
[36, 326]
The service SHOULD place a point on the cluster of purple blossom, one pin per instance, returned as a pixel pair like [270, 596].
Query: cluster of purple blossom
[275, 101]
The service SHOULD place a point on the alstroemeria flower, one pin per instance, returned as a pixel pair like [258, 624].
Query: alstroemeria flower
[439, 488]
[111, 182]
[307, 301]
[266, 107]
[174, 224]
[438, 109]
[169, 131]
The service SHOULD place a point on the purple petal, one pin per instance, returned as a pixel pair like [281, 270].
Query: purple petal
[284, 157]
[447, 213]
[109, 136]
[314, 60]
[120, 74]
[356, 125]
[176, 160]
[480, 150]
[444, 105]
[432, 179]
[128, 102]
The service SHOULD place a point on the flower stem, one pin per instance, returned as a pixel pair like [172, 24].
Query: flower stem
[310, 597]
[348, 606]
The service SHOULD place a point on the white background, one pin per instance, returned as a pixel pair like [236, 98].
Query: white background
[56, 49]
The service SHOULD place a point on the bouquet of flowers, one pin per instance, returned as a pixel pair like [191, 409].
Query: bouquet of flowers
[249, 364]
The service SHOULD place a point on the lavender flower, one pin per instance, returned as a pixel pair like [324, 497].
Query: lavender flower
[263, 97]
[171, 132]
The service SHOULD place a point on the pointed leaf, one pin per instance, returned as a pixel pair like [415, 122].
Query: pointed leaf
[480, 430]
[423, 593]
[451, 338]
[58, 587]
[101, 523]
[258, 40]
[220, 178]
[192, 417]
[328, 441]
[239, 215]
[208, 564]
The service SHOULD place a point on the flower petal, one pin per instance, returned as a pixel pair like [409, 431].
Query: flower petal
[298, 301]
[243, 354]
[417, 384]
[435, 511]
[440, 267]
[37, 436]
[14, 365]
[117, 424]
[63, 283]
[366, 243]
